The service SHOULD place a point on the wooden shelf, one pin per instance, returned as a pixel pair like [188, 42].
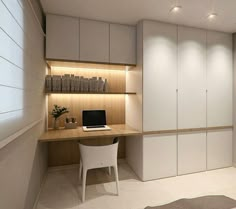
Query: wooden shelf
[88, 65]
[90, 92]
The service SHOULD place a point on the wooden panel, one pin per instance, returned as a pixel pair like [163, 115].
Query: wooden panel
[94, 41]
[191, 153]
[219, 79]
[219, 149]
[191, 78]
[134, 82]
[159, 76]
[62, 40]
[115, 78]
[115, 111]
[159, 156]
[113, 104]
[66, 153]
[122, 44]
[187, 130]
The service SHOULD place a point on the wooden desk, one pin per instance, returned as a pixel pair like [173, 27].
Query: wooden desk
[75, 134]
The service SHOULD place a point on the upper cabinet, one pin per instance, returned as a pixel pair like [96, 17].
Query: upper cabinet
[94, 41]
[85, 40]
[62, 40]
[122, 44]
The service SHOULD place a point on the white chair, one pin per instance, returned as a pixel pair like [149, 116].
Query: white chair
[98, 157]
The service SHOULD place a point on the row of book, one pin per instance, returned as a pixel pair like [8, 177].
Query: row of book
[72, 83]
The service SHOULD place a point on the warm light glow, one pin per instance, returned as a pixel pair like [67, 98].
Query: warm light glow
[212, 16]
[176, 9]
[86, 65]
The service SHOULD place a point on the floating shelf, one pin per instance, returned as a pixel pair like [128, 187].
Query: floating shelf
[88, 65]
[90, 92]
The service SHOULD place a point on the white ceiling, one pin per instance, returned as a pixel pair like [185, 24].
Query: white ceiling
[194, 12]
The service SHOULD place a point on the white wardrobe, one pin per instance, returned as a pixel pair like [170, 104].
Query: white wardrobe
[187, 100]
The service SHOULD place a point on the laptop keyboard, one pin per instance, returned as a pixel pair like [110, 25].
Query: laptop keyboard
[98, 126]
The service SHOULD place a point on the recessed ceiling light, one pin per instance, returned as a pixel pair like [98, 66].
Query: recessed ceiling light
[212, 16]
[175, 9]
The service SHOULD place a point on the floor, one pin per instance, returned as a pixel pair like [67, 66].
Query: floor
[61, 190]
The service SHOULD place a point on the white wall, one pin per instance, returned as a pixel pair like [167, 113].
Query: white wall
[22, 68]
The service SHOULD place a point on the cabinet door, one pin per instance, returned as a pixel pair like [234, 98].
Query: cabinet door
[159, 76]
[122, 44]
[219, 149]
[191, 153]
[62, 38]
[219, 79]
[94, 41]
[159, 156]
[191, 78]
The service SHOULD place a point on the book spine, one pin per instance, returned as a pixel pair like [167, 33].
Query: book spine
[48, 83]
[72, 83]
[105, 87]
[82, 84]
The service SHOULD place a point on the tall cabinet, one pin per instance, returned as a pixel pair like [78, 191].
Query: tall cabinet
[219, 99]
[159, 99]
[186, 101]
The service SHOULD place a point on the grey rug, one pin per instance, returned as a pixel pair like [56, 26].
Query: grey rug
[206, 202]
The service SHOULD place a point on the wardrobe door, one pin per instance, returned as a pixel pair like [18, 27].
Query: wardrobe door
[62, 39]
[159, 76]
[219, 149]
[159, 156]
[219, 79]
[191, 78]
[191, 153]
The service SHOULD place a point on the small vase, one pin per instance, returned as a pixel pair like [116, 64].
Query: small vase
[55, 123]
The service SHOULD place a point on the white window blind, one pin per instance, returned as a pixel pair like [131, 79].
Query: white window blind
[22, 68]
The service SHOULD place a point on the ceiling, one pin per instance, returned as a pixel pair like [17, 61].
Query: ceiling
[194, 12]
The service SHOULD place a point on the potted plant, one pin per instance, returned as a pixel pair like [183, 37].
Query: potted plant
[56, 113]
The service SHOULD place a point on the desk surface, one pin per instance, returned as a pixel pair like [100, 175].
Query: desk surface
[75, 134]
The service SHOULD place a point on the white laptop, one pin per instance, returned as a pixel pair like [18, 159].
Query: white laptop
[94, 120]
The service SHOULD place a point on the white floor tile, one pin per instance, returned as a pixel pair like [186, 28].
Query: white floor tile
[61, 190]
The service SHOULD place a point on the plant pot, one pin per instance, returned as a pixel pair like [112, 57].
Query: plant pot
[55, 123]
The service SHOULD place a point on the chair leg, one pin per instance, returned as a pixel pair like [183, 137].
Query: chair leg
[109, 170]
[117, 178]
[80, 171]
[84, 184]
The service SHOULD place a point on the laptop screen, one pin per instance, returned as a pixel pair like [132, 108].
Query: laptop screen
[94, 117]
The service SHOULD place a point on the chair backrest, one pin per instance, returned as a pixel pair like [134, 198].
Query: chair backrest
[99, 156]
